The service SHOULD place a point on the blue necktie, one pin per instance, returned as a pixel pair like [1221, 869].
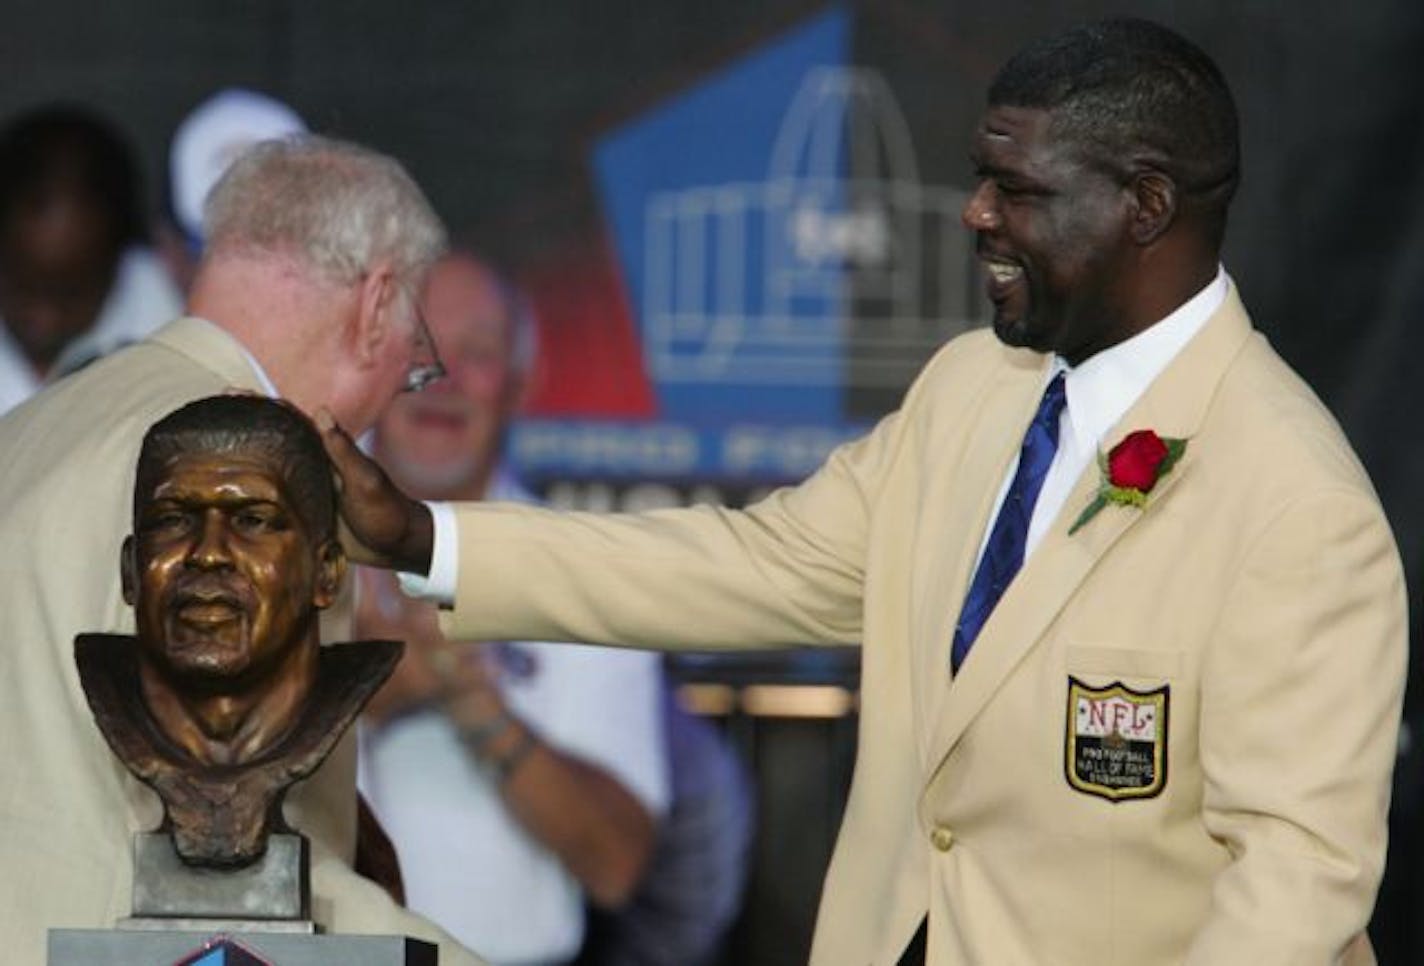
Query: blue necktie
[1004, 551]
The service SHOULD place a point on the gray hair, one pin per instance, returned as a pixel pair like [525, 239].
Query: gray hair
[339, 206]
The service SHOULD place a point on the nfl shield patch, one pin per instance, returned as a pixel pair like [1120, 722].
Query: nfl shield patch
[1116, 740]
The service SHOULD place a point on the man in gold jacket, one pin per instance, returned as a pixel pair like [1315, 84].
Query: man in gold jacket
[1170, 739]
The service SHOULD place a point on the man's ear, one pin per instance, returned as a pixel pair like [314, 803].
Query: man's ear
[330, 569]
[1154, 208]
[128, 570]
[373, 312]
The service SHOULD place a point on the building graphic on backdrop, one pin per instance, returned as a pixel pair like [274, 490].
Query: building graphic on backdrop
[841, 267]
[783, 271]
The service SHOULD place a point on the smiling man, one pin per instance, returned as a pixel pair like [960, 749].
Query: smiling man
[1132, 621]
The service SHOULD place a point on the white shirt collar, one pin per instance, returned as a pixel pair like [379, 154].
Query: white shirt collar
[1104, 387]
[266, 382]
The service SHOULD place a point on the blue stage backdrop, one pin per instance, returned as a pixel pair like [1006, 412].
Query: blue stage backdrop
[782, 268]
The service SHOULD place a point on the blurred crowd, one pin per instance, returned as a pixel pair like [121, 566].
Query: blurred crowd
[85, 267]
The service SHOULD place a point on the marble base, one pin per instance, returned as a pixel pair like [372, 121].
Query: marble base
[274, 887]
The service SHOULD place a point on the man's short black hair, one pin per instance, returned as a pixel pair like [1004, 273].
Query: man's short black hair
[237, 424]
[1133, 90]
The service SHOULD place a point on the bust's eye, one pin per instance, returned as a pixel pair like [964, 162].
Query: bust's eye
[256, 520]
[165, 521]
[249, 521]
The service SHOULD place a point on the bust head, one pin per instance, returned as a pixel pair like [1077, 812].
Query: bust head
[233, 554]
[225, 697]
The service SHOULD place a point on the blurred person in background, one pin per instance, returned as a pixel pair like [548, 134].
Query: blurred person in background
[316, 250]
[687, 901]
[74, 260]
[514, 778]
[206, 141]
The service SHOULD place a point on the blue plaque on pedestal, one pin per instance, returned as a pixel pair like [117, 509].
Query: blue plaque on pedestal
[120, 947]
[223, 951]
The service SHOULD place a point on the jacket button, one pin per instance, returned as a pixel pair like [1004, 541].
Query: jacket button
[941, 838]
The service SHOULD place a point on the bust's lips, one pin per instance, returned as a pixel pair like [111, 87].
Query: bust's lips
[200, 612]
[207, 604]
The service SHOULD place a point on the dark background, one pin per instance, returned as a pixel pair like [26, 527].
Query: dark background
[493, 105]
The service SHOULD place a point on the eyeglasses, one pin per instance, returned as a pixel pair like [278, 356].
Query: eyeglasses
[422, 374]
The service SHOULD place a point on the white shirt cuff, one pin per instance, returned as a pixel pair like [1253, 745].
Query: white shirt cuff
[439, 585]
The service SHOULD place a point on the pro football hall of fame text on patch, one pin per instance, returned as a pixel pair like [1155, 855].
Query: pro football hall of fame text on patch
[1116, 740]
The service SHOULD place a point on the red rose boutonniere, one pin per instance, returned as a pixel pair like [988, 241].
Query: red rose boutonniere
[1130, 470]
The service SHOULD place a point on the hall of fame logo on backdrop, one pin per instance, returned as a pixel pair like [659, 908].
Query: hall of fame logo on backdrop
[1116, 740]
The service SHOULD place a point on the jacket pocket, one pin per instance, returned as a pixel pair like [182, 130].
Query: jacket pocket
[1124, 662]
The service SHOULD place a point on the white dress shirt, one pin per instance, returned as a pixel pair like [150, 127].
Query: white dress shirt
[1099, 392]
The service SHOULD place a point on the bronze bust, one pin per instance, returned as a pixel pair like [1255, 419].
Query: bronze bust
[225, 698]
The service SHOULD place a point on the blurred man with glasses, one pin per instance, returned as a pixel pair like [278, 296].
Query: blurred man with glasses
[516, 778]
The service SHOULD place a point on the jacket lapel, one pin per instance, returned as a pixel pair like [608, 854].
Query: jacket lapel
[1174, 405]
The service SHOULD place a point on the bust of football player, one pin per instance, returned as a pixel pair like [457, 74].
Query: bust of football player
[224, 697]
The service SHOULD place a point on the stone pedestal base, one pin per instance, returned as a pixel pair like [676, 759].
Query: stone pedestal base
[272, 888]
[112, 947]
